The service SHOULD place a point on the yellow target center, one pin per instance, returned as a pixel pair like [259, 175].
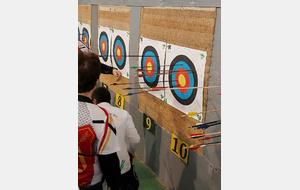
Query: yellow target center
[103, 46]
[181, 80]
[149, 67]
[118, 52]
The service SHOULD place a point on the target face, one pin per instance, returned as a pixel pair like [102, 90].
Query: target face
[104, 45]
[150, 63]
[85, 37]
[183, 77]
[119, 51]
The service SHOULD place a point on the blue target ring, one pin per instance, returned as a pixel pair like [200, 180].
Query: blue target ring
[119, 51]
[182, 63]
[104, 39]
[150, 54]
[185, 66]
[85, 33]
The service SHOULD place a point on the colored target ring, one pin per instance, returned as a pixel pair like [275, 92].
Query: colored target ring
[119, 51]
[183, 77]
[104, 45]
[85, 37]
[151, 64]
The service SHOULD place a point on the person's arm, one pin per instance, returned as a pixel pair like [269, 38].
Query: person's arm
[105, 69]
[111, 169]
[133, 136]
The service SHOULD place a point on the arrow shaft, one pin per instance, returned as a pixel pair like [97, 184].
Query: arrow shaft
[129, 56]
[175, 71]
[168, 73]
[209, 123]
[135, 67]
[137, 83]
[208, 134]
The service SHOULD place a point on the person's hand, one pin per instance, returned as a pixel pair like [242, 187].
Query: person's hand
[131, 156]
[117, 73]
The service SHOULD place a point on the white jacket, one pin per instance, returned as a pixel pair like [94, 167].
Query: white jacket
[125, 130]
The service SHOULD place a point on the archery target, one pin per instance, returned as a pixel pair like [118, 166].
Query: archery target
[120, 49]
[187, 67]
[104, 44]
[152, 61]
[151, 64]
[183, 77]
[86, 34]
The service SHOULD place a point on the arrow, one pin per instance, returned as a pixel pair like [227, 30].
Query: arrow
[137, 82]
[205, 125]
[192, 114]
[128, 56]
[136, 67]
[168, 73]
[129, 88]
[130, 94]
[194, 147]
[164, 88]
[143, 70]
[194, 136]
[208, 138]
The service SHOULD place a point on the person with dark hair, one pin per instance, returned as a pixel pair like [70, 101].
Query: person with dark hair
[97, 140]
[125, 130]
[105, 69]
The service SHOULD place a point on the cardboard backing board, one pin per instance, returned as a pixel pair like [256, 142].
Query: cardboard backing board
[84, 14]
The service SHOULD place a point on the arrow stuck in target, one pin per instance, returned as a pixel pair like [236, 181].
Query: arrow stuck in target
[164, 88]
[166, 73]
[127, 56]
[198, 135]
[194, 147]
[136, 67]
[136, 82]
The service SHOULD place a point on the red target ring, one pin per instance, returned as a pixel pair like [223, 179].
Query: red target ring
[119, 52]
[182, 79]
[150, 67]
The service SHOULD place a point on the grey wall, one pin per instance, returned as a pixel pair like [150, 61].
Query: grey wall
[201, 172]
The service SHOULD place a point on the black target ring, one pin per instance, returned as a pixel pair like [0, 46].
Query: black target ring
[188, 65]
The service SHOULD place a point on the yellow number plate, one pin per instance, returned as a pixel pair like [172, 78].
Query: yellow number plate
[119, 101]
[177, 146]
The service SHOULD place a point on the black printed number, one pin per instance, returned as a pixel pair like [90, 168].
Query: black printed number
[119, 101]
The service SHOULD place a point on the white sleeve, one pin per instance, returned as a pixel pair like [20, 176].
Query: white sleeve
[132, 134]
[109, 143]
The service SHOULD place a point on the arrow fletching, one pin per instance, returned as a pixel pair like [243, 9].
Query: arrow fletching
[190, 114]
[157, 88]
